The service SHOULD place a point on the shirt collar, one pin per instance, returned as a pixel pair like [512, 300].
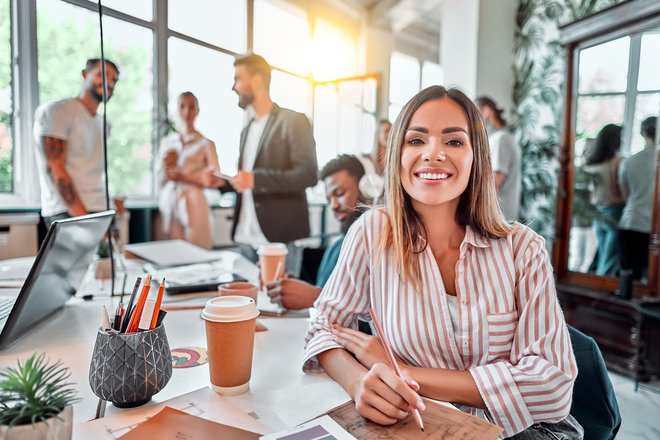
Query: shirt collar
[475, 239]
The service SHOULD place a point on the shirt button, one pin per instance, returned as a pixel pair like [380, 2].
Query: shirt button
[463, 301]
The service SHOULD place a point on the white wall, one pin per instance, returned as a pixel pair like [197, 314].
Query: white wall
[458, 43]
[495, 51]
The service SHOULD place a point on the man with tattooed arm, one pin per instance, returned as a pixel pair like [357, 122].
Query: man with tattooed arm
[69, 147]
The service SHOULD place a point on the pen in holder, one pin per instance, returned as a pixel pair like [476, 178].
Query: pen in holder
[128, 368]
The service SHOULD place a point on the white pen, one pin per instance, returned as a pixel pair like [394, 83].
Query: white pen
[105, 319]
[147, 314]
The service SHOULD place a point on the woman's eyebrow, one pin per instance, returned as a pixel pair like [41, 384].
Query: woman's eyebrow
[453, 129]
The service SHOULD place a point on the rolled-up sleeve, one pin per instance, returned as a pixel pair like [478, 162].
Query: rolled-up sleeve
[536, 383]
[343, 298]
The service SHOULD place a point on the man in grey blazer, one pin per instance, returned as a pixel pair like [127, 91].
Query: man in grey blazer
[277, 161]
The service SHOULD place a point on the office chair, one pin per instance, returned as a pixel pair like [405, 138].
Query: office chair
[594, 403]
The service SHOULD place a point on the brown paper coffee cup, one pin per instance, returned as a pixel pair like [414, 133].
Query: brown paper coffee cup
[230, 323]
[239, 288]
[271, 257]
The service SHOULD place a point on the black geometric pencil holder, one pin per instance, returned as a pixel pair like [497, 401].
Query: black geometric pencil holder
[127, 369]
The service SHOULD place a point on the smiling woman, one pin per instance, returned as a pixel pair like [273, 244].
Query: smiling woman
[467, 300]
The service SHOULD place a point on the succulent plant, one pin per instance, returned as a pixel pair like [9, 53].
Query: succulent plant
[104, 249]
[34, 391]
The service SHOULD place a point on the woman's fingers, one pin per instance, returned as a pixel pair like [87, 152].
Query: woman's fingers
[389, 377]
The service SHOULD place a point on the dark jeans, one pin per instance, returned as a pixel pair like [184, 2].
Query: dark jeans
[567, 429]
[634, 250]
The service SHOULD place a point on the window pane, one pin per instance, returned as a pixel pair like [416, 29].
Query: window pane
[6, 106]
[432, 75]
[325, 123]
[404, 78]
[219, 22]
[368, 133]
[593, 113]
[648, 104]
[649, 63]
[393, 112]
[334, 53]
[350, 129]
[220, 119]
[291, 92]
[66, 37]
[604, 68]
[281, 35]
[141, 9]
[369, 97]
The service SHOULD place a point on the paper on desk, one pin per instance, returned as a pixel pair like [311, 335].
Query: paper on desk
[320, 429]
[296, 405]
[440, 421]
[266, 306]
[203, 403]
[172, 424]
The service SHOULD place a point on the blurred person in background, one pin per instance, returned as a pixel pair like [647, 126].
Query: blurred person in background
[187, 161]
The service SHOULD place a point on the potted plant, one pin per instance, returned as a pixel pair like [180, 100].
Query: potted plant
[35, 401]
[102, 265]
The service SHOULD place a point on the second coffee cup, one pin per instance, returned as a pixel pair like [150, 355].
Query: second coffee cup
[230, 323]
[272, 258]
[239, 288]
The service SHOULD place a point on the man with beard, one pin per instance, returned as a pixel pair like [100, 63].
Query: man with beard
[341, 177]
[69, 147]
[277, 161]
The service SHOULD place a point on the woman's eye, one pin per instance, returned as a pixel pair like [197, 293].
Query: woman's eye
[415, 141]
[455, 142]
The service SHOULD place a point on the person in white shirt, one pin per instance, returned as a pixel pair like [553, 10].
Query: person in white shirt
[505, 156]
[636, 175]
[69, 147]
[277, 162]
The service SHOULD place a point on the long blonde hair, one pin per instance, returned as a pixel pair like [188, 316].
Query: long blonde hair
[405, 232]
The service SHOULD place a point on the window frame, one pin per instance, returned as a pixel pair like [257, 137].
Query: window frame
[25, 91]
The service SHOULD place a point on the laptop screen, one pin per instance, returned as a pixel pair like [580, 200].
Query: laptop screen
[57, 272]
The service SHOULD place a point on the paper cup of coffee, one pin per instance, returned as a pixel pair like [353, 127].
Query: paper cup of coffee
[271, 257]
[230, 322]
[239, 288]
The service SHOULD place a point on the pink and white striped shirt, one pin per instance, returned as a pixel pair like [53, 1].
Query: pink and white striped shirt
[511, 332]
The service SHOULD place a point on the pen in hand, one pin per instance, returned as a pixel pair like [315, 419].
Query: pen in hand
[393, 362]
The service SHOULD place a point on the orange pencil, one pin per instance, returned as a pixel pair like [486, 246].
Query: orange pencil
[392, 359]
[159, 299]
[135, 319]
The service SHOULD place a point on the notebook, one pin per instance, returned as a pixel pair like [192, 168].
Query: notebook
[168, 253]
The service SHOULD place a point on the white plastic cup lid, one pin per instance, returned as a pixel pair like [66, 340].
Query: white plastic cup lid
[272, 249]
[230, 308]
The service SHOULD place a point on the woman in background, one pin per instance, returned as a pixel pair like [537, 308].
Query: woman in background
[372, 183]
[602, 163]
[187, 160]
[467, 301]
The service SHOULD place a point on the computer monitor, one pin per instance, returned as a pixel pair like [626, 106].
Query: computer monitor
[58, 270]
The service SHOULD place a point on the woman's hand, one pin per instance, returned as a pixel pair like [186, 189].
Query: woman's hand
[173, 174]
[367, 349]
[383, 397]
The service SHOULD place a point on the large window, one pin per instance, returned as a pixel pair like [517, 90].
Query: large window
[6, 100]
[66, 37]
[164, 48]
[220, 119]
[407, 77]
[618, 85]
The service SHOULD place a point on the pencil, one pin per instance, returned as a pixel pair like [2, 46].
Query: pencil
[137, 312]
[393, 362]
[159, 299]
[129, 306]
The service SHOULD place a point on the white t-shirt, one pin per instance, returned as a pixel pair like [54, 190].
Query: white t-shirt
[248, 230]
[505, 157]
[69, 120]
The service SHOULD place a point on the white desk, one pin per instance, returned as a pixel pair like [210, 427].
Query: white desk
[70, 334]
